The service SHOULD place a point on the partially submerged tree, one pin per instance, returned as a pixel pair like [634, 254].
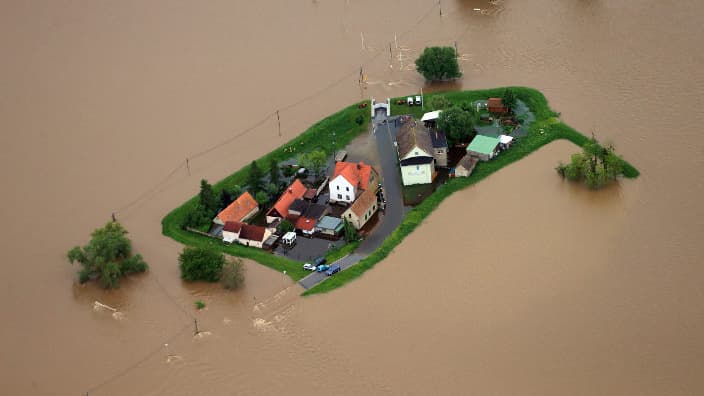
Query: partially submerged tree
[596, 165]
[457, 124]
[315, 161]
[438, 63]
[108, 256]
[233, 273]
[200, 264]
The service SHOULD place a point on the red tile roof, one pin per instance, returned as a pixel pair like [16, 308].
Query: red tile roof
[233, 226]
[293, 192]
[496, 105]
[239, 209]
[305, 224]
[356, 174]
[252, 232]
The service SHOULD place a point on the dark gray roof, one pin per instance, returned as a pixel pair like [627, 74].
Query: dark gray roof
[298, 205]
[416, 161]
[314, 211]
[413, 134]
[438, 139]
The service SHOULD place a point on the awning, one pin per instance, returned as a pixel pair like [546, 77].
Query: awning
[505, 139]
[433, 115]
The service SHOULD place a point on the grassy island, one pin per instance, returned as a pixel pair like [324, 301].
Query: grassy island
[337, 130]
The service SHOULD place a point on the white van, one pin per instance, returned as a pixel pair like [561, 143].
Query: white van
[289, 238]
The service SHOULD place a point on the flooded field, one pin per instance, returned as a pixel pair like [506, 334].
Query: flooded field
[522, 284]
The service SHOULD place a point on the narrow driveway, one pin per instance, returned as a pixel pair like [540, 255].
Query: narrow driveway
[385, 134]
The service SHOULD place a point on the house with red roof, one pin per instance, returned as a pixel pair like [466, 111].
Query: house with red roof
[350, 179]
[496, 106]
[245, 234]
[280, 209]
[241, 210]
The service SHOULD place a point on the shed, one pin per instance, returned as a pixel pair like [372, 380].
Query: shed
[466, 165]
[483, 147]
[329, 225]
[431, 116]
[496, 105]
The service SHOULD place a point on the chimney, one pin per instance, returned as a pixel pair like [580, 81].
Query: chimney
[290, 190]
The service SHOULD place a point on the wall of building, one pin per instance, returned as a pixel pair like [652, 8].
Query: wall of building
[342, 191]
[440, 156]
[417, 174]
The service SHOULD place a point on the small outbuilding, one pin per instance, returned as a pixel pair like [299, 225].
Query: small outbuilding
[466, 165]
[329, 225]
[483, 147]
[505, 141]
[496, 106]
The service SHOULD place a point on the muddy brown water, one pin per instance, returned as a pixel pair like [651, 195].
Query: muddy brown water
[522, 284]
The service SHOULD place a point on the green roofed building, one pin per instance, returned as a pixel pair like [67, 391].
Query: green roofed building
[330, 225]
[483, 147]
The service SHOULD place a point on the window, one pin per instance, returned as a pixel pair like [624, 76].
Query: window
[339, 196]
[374, 207]
[417, 167]
[347, 188]
[348, 197]
[338, 187]
[349, 215]
[415, 153]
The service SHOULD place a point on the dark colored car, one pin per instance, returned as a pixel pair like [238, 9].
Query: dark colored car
[333, 270]
[319, 261]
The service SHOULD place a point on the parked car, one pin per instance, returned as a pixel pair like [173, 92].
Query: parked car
[333, 270]
[409, 100]
[323, 268]
[320, 260]
[309, 267]
[418, 100]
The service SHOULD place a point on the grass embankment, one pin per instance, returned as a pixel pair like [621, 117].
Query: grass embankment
[544, 130]
[329, 134]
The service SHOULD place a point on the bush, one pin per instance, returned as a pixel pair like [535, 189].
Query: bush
[233, 274]
[199, 304]
[438, 63]
[200, 264]
[284, 227]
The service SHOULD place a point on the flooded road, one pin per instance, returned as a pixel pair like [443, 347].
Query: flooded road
[521, 284]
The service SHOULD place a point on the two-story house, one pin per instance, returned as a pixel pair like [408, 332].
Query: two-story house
[415, 154]
[350, 180]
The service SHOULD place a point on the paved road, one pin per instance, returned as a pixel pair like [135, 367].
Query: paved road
[393, 215]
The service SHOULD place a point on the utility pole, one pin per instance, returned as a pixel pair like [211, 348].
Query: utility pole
[457, 53]
[195, 322]
[362, 36]
[113, 217]
[188, 167]
[391, 57]
[278, 119]
[440, 4]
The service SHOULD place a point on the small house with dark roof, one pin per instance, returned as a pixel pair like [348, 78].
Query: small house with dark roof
[231, 231]
[361, 210]
[245, 234]
[439, 147]
[415, 154]
[350, 179]
[308, 219]
[241, 209]
[466, 165]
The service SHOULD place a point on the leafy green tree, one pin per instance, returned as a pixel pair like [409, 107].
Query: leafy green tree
[438, 63]
[197, 217]
[351, 233]
[509, 99]
[315, 161]
[274, 172]
[284, 227]
[225, 198]
[596, 166]
[254, 178]
[457, 124]
[108, 256]
[207, 199]
[272, 189]
[233, 274]
[439, 102]
[200, 264]
[261, 197]
[236, 191]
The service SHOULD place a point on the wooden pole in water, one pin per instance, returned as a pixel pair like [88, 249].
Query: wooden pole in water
[440, 4]
[278, 119]
[188, 167]
[391, 57]
[113, 217]
[195, 322]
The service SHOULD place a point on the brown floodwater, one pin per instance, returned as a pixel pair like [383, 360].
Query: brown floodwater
[522, 284]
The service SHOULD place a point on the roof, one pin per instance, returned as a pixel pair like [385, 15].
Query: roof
[363, 203]
[433, 115]
[252, 232]
[293, 192]
[298, 205]
[468, 162]
[314, 211]
[233, 226]
[305, 223]
[310, 193]
[411, 135]
[495, 102]
[483, 144]
[438, 139]
[239, 208]
[329, 223]
[505, 139]
[355, 173]
[416, 161]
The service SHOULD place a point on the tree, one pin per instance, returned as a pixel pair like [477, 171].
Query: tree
[596, 165]
[457, 124]
[254, 178]
[351, 233]
[261, 197]
[197, 217]
[225, 198]
[233, 274]
[274, 172]
[236, 191]
[209, 202]
[272, 189]
[438, 63]
[284, 227]
[200, 264]
[509, 99]
[315, 161]
[439, 102]
[108, 256]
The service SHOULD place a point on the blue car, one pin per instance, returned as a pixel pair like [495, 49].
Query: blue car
[332, 270]
[323, 268]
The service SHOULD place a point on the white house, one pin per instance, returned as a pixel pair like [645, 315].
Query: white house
[245, 234]
[350, 180]
[415, 154]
